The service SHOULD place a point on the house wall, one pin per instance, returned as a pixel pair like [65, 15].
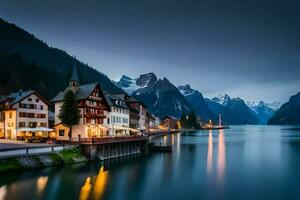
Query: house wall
[142, 120]
[93, 112]
[118, 116]
[10, 124]
[41, 109]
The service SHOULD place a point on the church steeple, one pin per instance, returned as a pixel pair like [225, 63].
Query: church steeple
[74, 80]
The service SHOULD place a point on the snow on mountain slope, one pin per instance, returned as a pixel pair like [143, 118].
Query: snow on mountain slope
[160, 95]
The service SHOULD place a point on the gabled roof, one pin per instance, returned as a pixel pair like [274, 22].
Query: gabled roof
[170, 117]
[16, 97]
[83, 92]
[113, 99]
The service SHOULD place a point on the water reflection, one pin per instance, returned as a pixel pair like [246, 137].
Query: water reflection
[3, 191]
[210, 153]
[100, 183]
[94, 187]
[85, 189]
[41, 184]
[261, 164]
[221, 156]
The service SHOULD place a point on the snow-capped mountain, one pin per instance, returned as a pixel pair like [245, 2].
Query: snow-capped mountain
[159, 95]
[198, 103]
[288, 113]
[130, 85]
[233, 110]
[263, 110]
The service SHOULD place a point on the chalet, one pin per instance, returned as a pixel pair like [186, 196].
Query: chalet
[23, 115]
[93, 110]
[118, 118]
[169, 122]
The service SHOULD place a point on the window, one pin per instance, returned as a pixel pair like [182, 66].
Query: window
[11, 124]
[41, 107]
[32, 124]
[37, 100]
[125, 120]
[41, 115]
[29, 99]
[21, 124]
[61, 132]
[10, 115]
[42, 124]
[108, 120]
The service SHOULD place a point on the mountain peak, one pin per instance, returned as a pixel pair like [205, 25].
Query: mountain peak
[146, 79]
[222, 99]
[186, 90]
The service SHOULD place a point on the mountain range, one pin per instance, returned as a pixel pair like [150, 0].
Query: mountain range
[288, 113]
[160, 96]
[43, 65]
[264, 111]
[198, 103]
[163, 98]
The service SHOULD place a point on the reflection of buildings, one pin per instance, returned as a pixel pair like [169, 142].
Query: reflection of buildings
[96, 185]
[221, 159]
[221, 156]
[210, 152]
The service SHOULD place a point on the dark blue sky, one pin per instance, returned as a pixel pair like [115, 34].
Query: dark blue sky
[249, 49]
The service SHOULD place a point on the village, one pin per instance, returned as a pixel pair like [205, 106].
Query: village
[27, 116]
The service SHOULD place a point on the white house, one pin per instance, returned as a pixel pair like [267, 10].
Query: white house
[118, 117]
[25, 114]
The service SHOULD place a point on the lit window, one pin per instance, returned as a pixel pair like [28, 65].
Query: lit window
[61, 132]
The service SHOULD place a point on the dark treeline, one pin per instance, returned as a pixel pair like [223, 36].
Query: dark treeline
[27, 62]
[16, 74]
[189, 121]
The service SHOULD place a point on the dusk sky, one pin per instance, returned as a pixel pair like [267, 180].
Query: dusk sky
[249, 49]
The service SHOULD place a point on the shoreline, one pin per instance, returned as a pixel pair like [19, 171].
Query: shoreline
[72, 155]
[23, 163]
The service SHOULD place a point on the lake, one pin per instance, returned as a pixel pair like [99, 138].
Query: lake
[243, 162]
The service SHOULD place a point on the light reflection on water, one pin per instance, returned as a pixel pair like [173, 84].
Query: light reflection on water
[244, 162]
[210, 153]
[3, 191]
[221, 156]
[94, 187]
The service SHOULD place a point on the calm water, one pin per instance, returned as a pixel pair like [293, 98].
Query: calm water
[244, 162]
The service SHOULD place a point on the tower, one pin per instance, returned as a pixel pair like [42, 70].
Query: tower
[74, 80]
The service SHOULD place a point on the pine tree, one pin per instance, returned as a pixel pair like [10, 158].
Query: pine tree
[192, 120]
[69, 113]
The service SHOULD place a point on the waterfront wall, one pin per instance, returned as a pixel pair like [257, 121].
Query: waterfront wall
[40, 160]
[114, 150]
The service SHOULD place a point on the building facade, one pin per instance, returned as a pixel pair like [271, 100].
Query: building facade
[24, 115]
[169, 122]
[93, 109]
[118, 118]
[138, 114]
